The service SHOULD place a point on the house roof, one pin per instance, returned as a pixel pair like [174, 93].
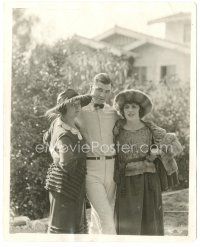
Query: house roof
[142, 39]
[103, 45]
[120, 30]
[176, 17]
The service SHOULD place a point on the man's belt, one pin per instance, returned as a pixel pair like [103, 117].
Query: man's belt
[101, 158]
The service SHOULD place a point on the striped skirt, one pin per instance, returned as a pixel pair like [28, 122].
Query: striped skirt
[67, 199]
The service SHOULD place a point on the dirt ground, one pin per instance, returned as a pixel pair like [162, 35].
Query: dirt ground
[175, 216]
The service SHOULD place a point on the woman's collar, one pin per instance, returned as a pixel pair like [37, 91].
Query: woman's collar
[67, 127]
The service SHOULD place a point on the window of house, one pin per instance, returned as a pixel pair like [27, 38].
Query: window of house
[140, 73]
[167, 72]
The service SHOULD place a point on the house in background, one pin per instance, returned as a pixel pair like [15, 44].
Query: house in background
[155, 59]
[177, 27]
[177, 30]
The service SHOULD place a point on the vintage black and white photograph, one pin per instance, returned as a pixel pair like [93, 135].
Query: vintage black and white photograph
[100, 119]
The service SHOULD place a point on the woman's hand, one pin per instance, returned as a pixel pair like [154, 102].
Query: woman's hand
[154, 153]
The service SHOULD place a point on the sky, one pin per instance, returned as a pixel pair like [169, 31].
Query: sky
[91, 18]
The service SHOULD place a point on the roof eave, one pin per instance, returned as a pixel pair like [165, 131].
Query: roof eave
[165, 44]
[171, 18]
[103, 45]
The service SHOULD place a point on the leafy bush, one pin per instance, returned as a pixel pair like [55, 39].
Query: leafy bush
[171, 111]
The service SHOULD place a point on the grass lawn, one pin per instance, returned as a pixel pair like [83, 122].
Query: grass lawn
[175, 216]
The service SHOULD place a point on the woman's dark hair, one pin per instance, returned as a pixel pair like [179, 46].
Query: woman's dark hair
[62, 110]
[121, 110]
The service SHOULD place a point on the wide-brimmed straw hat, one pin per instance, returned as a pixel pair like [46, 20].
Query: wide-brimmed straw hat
[67, 97]
[133, 96]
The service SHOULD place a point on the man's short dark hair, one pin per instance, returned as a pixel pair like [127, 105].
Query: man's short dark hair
[103, 78]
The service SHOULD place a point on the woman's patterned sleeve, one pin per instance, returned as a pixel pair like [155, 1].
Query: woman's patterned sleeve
[66, 152]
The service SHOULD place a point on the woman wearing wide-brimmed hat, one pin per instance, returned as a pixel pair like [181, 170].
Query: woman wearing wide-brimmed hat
[66, 175]
[144, 166]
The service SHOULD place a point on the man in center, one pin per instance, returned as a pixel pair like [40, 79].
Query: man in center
[96, 122]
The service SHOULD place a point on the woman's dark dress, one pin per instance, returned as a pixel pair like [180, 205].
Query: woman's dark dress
[138, 209]
[66, 182]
